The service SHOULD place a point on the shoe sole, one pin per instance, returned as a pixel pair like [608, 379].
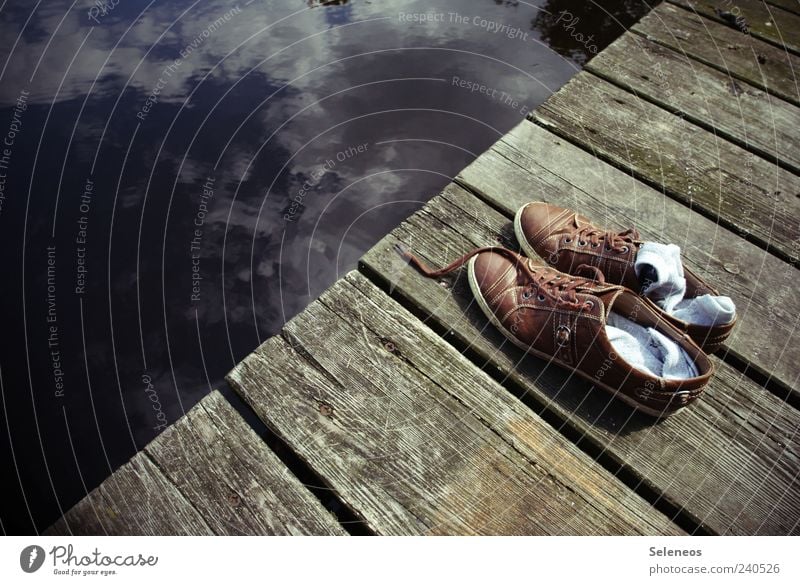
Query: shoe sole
[476, 292]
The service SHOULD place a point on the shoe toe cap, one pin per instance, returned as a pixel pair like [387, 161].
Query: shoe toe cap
[492, 273]
[539, 218]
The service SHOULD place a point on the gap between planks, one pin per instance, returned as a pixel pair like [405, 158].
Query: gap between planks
[208, 473]
[769, 23]
[706, 445]
[531, 163]
[414, 437]
[738, 112]
[738, 189]
[726, 49]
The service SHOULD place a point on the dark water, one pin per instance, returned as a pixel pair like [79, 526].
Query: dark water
[177, 179]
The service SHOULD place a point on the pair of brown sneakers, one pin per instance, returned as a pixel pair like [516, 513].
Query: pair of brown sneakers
[581, 311]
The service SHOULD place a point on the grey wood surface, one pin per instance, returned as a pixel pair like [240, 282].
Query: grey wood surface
[742, 56]
[768, 22]
[136, 500]
[725, 462]
[790, 5]
[425, 420]
[231, 477]
[530, 163]
[207, 473]
[739, 112]
[745, 192]
[415, 438]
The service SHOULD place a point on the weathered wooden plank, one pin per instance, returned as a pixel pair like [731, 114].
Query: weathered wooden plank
[725, 182]
[770, 23]
[790, 5]
[736, 111]
[233, 479]
[726, 461]
[530, 163]
[209, 473]
[415, 438]
[613, 505]
[749, 59]
[135, 500]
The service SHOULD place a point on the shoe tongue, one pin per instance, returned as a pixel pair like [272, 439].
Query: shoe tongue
[608, 297]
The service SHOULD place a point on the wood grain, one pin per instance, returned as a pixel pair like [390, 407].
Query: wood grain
[209, 473]
[758, 63]
[233, 479]
[790, 5]
[530, 163]
[770, 23]
[724, 462]
[739, 189]
[136, 500]
[426, 420]
[734, 110]
[415, 438]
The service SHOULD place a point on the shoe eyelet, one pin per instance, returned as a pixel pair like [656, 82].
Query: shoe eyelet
[526, 295]
[541, 298]
[567, 240]
[595, 244]
[580, 243]
[589, 305]
[624, 250]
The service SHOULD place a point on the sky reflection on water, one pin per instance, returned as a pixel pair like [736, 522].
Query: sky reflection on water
[186, 176]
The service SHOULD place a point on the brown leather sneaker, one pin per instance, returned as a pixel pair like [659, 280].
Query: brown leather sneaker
[565, 240]
[603, 332]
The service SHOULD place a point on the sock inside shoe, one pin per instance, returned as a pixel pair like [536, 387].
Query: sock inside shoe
[705, 310]
[648, 350]
[659, 268]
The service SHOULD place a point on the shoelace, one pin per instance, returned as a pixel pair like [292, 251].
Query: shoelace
[616, 241]
[546, 282]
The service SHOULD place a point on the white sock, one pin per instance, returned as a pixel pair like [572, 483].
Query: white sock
[706, 310]
[676, 363]
[648, 350]
[669, 287]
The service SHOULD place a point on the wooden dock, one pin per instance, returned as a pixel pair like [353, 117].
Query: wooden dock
[415, 416]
